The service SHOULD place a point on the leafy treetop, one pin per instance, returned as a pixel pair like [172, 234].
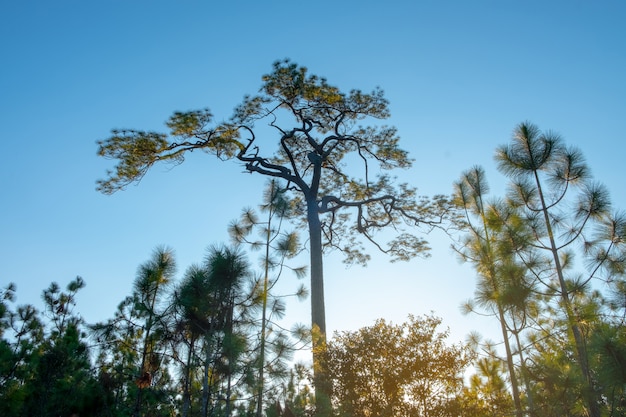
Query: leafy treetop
[323, 137]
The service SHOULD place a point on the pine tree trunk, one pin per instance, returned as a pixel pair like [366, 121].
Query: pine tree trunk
[318, 314]
[205, 380]
[580, 345]
[509, 363]
[186, 408]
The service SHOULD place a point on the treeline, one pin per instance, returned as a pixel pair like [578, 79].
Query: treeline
[550, 259]
[192, 347]
[207, 344]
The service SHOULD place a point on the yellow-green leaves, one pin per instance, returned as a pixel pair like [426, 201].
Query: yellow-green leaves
[189, 123]
[310, 97]
[249, 110]
[135, 152]
[396, 370]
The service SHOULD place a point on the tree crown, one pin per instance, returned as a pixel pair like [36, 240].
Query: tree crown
[319, 137]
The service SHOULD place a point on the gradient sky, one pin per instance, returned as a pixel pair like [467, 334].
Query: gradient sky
[460, 75]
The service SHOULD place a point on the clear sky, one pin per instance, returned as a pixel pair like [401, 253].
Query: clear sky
[460, 75]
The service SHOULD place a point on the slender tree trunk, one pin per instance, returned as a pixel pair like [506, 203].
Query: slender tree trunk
[139, 398]
[229, 334]
[529, 393]
[205, 379]
[228, 394]
[186, 408]
[144, 354]
[501, 317]
[259, 407]
[509, 363]
[261, 383]
[318, 314]
[579, 341]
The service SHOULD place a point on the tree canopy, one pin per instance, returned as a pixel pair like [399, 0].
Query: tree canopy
[392, 370]
[320, 146]
[335, 169]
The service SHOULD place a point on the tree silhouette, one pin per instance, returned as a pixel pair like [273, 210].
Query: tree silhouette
[226, 271]
[319, 136]
[150, 285]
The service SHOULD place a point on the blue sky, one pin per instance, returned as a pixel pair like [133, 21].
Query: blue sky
[459, 76]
